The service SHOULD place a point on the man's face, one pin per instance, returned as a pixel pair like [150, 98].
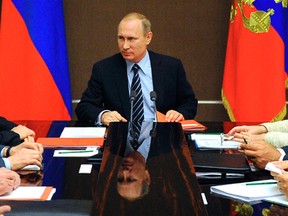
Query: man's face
[131, 175]
[132, 42]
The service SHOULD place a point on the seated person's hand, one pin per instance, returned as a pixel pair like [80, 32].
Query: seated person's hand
[27, 145]
[240, 137]
[24, 157]
[24, 133]
[260, 153]
[111, 116]
[282, 181]
[9, 180]
[4, 209]
[254, 129]
[283, 165]
[174, 116]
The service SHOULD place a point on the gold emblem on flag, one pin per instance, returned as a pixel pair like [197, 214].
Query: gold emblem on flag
[259, 21]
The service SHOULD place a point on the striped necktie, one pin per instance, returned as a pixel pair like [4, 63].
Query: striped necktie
[138, 105]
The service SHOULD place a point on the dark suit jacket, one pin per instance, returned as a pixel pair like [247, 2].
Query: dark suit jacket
[108, 88]
[285, 148]
[7, 137]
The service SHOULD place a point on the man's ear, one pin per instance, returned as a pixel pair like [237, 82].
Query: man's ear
[149, 37]
[147, 177]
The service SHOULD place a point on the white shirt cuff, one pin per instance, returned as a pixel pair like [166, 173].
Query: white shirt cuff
[282, 152]
[98, 122]
[7, 163]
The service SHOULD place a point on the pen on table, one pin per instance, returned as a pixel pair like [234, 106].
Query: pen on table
[260, 183]
[80, 151]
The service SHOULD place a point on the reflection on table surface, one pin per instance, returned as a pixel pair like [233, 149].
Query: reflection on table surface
[164, 182]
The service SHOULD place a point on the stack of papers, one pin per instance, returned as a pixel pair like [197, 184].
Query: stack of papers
[192, 126]
[248, 192]
[213, 141]
[30, 193]
[75, 137]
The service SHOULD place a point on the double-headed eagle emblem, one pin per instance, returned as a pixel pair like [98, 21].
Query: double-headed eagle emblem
[258, 21]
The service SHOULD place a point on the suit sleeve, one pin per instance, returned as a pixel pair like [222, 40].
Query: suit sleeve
[173, 89]
[285, 148]
[91, 104]
[2, 164]
[5, 124]
[187, 102]
[8, 137]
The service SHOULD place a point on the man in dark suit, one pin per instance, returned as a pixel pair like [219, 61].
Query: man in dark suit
[106, 98]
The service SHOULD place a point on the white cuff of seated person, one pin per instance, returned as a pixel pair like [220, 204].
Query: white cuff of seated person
[282, 152]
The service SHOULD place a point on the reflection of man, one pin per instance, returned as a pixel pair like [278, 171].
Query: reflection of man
[133, 179]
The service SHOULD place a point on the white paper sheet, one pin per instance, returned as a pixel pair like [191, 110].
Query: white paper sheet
[83, 132]
[85, 168]
[213, 141]
[27, 193]
[248, 193]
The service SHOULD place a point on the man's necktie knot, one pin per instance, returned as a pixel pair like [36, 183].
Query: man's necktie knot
[135, 68]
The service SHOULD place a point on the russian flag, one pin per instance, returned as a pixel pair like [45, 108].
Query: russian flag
[34, 72]
[256, 65]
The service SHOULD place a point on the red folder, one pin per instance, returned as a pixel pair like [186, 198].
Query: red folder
[70, 142]
[189, 125]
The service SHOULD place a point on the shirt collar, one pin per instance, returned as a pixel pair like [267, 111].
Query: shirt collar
[142, 64]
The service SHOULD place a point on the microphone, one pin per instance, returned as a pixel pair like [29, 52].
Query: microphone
[153, 97]
[132, 99]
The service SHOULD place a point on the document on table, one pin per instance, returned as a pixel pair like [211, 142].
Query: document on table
[212, 141]
[279, 200]
[188, 125]
[30, 193]
[88, 152]
[54, 142]
[83, 132]
[248, 192]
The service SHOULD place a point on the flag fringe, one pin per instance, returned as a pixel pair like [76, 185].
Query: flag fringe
[227, 106]
[280, 116]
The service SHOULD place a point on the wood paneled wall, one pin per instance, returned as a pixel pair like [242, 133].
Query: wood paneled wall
[191, 30]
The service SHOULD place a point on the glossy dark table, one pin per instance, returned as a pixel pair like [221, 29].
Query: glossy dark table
[174, 189]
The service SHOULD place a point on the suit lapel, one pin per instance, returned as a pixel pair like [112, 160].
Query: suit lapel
[121, 84]
[157, 74]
